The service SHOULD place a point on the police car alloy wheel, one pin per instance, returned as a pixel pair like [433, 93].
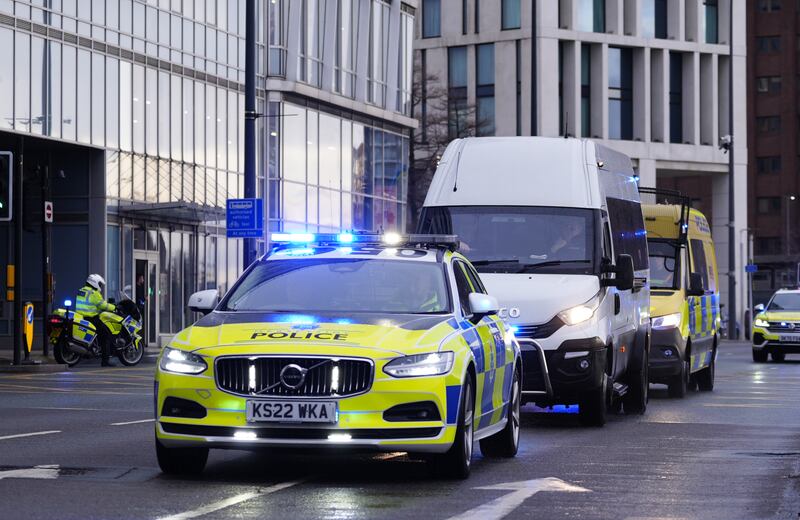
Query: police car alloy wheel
[456, 463]
[505, 443]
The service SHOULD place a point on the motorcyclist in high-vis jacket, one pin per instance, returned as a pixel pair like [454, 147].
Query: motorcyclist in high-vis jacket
[90, 303]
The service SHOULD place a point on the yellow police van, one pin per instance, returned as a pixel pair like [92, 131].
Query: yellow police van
[684, 296]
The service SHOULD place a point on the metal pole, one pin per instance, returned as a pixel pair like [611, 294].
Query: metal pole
[788, 242]
[732, 314]
[250, 120]
[47, 296]
[18, 340]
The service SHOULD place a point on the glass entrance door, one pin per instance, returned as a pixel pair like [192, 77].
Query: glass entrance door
[145, 294]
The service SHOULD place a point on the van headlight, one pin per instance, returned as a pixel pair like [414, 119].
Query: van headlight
[580, 313]
[181, 362]
[668, 321]
[761, 322]
[433, 364]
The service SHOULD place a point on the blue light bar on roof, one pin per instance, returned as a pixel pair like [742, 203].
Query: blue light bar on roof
[294, 238]
[345, 238]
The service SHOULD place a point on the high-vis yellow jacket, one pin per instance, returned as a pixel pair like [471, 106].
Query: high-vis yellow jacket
[90, 302]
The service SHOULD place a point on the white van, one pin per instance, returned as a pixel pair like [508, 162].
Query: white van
[555, 228]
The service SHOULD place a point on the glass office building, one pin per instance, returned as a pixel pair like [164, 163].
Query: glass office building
[128, 115]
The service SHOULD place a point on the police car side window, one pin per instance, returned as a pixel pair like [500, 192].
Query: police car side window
[462, 285]
[475, 279]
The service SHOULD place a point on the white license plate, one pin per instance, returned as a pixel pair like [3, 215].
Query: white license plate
[291, 411]
[790, 338]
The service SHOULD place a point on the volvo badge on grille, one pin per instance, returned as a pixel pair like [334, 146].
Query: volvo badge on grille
[293, 376]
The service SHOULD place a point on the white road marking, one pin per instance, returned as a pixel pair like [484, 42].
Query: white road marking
[228, 502]
[28, 434]
[520, 491]
[40, 472]
[723, 405]
[131, 422]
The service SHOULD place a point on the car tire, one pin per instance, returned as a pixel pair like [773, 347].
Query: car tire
[635, 400]
[760, 356]
[593, 407]
[705, 377]
[778, 357]
[457, 461]
[181, 461]
[678, 385]
[505, 443]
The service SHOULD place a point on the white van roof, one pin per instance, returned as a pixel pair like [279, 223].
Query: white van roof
[525, 171]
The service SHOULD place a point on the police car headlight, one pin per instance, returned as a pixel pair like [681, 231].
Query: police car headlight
[181, 362]
[668, 321]
[761, 322]
[580, 313]
[433, 364]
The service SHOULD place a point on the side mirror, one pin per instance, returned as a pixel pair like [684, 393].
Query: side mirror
[481, 305]
[759, 308]
[204, 301]
[624, 273]
[696, 285]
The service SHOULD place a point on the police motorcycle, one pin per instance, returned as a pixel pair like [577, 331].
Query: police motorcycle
[73, 337]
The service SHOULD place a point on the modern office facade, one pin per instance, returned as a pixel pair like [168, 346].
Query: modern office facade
[774, 126]
[131, 114]
[646, 77]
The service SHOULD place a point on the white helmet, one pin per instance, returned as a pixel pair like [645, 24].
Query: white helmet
[96, 281]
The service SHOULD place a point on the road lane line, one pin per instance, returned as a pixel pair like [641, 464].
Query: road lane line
[28, 434]
[131, 422]
[228, 502]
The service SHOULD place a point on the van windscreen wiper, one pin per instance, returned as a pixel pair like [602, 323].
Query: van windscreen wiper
[550, 263]
[499, 261]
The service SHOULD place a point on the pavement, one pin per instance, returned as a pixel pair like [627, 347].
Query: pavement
[79, 444]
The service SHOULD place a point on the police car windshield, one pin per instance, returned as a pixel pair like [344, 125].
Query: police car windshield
[503, 239]
[785, 302]
[663, 265]
[342, 285]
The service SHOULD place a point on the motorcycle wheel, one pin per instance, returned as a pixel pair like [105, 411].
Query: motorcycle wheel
[64, 355]
[132, 354]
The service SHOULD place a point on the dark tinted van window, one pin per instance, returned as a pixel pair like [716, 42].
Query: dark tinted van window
[699, 263]
[627, 230]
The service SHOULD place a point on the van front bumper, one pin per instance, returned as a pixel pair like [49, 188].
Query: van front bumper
[574, 368]
[667, 353]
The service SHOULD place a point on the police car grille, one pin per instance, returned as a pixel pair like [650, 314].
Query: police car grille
[355, 376]
[786, 326]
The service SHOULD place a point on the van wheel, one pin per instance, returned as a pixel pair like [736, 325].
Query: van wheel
[705, 377]
[505, 443]
[778, 356]
[759, 356]
[679, 385]
[593, 406]
[635, 401]
[457, 462]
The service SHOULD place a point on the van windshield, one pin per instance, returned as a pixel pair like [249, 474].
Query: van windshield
[664, 266]
[502, 239]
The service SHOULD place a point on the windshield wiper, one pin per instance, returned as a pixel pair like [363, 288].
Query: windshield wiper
[550, 263]
[490, 262]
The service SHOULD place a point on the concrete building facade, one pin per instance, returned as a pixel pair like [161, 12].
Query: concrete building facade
[646, 77]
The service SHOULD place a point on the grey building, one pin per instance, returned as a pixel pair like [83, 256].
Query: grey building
[128, 115]
[646, 77]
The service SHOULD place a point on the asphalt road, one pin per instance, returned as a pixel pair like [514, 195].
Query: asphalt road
[733, 453]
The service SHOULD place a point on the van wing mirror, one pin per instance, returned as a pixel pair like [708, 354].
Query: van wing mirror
[759, 308]
[204, 301]
[481, 305]
[696, 285]
[624, 273]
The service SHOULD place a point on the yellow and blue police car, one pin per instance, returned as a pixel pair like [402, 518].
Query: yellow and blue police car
[386, 342]
[776, 328]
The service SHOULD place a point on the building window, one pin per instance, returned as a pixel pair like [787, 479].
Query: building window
[313, 29]
[768, 246]
[464, 17]
[768, 205]
[510, 14]
[620, 93]
[712, 21]
[768, 44]
[675, 97]
[586, 90]
[431, 18]
[518, 47]
[654, 18]
[768, 164]
[485, 89]
[378, 52]
[346, 47]
[768, 124]
[769, 6]
[457, 91]
[768, 85]
[278, 18]
[592, 15]
[405, 61]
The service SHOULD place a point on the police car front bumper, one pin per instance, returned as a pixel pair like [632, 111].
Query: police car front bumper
[763, 339]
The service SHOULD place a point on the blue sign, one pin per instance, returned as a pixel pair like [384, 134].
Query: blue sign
[751, 268]
[245, 218]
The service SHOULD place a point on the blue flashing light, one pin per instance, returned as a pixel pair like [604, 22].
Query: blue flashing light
[345, 238]
[297, 319]
[294, 238]
[67, 303]
[514, 329]
[301, 251]
[346, 249]
[565, 408]
[344, 321]
[635, 178]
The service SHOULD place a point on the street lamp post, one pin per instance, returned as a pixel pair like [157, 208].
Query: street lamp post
[731, 199]
[791, 199]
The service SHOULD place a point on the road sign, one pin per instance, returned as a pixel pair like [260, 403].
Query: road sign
[28, 310]
[751, 268]
[245, 218]
[6, 186]
[48, 211]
